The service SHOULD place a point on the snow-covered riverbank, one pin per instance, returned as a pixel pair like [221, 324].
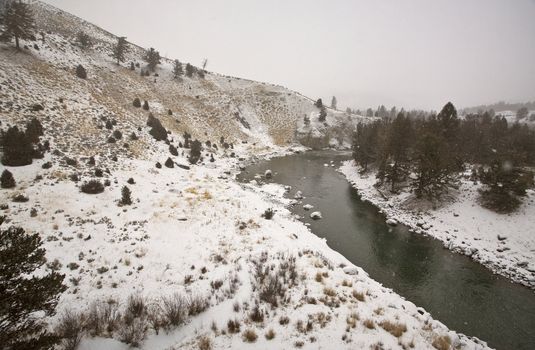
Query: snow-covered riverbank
[503, 243]
[200, 233]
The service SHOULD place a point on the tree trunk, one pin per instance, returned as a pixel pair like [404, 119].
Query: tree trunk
[17, 42]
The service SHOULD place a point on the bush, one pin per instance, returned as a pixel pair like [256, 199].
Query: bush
[131, 181]
[133, 333]
[249, 336]
[70, 329]
[233, 326]
[117, 134]
[169, 163]
[157, 131]
[173, 150]
[268, 214]
[137, 103]
[174, 310]
[7, 180]
[92, 187]
[102, 317]
[146, 105]
[396, 329]
[20, 198]
[205, 343]
[126, 196]
[81, 72]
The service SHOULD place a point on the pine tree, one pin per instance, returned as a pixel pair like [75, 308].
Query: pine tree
[84, 40]
[26, 296]
[152, 57]
[126, 196]
[333, 103]
[319, 103]
[81, 72]
[323, 114]
[17, 22]
[190, 70]
[177, 69]
[34, 130]
[119, 50]
[17, 148]
[195, 152]
[7, 180]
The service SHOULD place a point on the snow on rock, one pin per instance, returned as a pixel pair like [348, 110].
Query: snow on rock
[308, 206]
[316, 215]
[298, 195]
[268, 174]
[391, 222]
[478, 232]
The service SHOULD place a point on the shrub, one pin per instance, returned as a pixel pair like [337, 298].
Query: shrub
[158, 165]
[369, 324]
[197, 304]
[109, 125]
[169, 163]
[284, 320]
[103, 316]
[131, 181]
[268, 214]
[133, 136]
[70, 329]
[174, 310]
[111, 139]
[117, 134]
[249, 336]
[157, 131]
[137, 103]
[359, 296]
[126, 196]
[20, 198]
[134, 332]
[233, 326]
[173, 150]
[98, 172]
[256, 314]
[146, 105]
[92, 187]
[34, 130]
[7, 180]
[204, 343]
[81, 72]
[270, 334]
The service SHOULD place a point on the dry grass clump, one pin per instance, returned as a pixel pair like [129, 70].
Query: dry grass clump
[329, 291]
[396, 329]
[204, 343]
[358, 295]
[352, 320]
[319, 277]
[369, 324]
[270, 334]
[233, 326]
[442, 342]
[249, 336]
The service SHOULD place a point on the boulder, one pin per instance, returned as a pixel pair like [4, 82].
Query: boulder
[268, 174]
[308, 206]
[298, 195]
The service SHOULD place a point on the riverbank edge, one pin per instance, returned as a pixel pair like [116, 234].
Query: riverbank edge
[395, 213]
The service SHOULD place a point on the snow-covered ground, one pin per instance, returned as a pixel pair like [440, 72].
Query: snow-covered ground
[187, 230]
[503, 243]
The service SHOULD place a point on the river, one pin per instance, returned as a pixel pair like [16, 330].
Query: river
[459, 292]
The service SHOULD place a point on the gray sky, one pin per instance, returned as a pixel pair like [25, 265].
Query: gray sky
[411, 53]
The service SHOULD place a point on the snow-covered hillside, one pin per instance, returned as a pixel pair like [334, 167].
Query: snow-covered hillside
[193, 237]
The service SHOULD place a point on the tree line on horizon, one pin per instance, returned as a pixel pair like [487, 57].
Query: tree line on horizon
[427, 155]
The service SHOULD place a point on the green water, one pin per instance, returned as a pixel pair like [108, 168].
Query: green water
[460, 293]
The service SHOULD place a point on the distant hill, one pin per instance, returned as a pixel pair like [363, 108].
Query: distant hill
[499, 107]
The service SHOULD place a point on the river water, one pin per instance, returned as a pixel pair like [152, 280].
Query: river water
[459, 292]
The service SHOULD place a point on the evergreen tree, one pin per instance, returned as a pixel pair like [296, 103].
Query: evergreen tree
[137, 102]
[119, 50]
[146, 105]
[17, 148]
[522, 113]
[323, 114]
[505, 184]
[7, 180]
[365, 144]
[27, 293]
[17, 22]
[34, 130]
[190, 70]
[369, 112]
[319, 103]
[81, 72]
[333, 103]
[126, 196]
[152, 57]
[84, 40]
[177, 69]
[195, 152]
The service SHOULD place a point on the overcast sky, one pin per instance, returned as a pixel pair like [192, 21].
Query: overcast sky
[411, 53]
